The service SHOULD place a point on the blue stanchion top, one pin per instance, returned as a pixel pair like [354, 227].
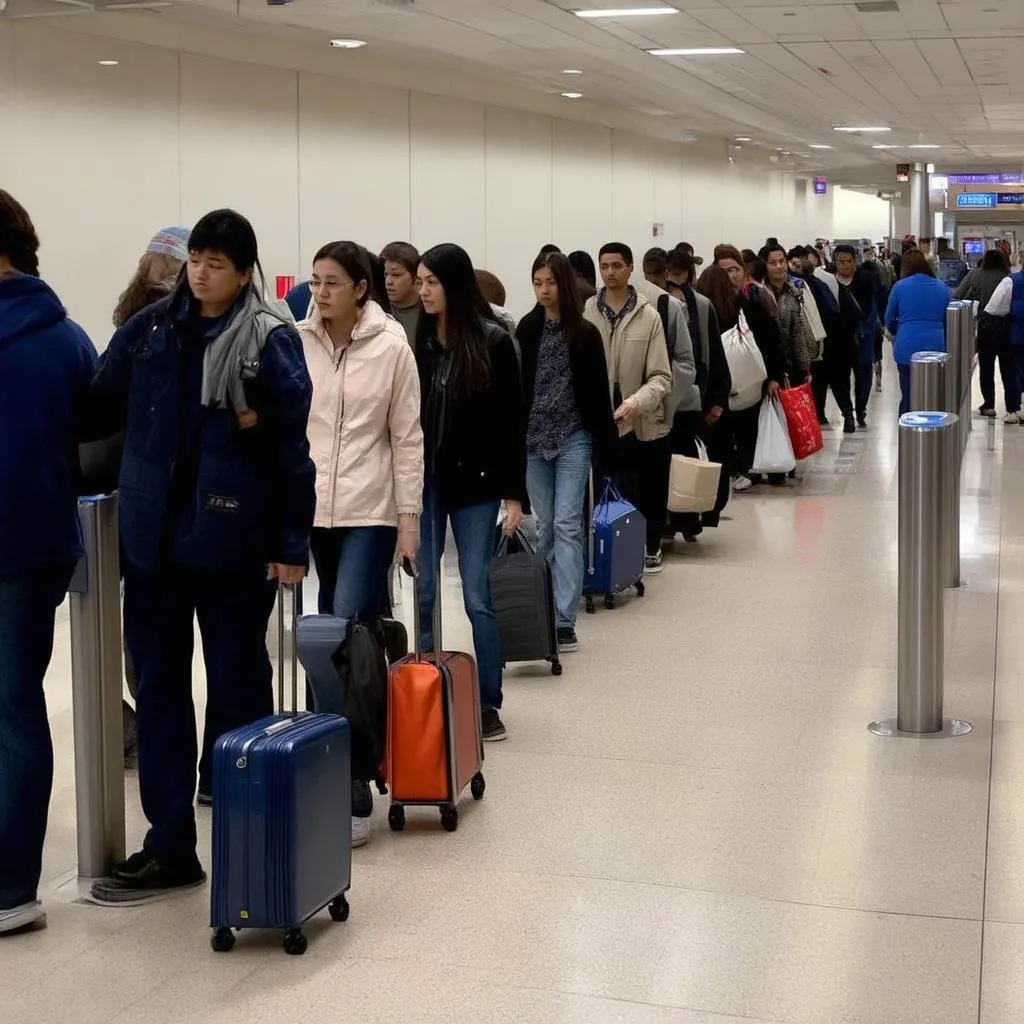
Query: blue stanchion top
[929, 357]
[928, 420]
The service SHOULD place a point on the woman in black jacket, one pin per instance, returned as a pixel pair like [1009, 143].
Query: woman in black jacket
[474, 450]
[570, 426]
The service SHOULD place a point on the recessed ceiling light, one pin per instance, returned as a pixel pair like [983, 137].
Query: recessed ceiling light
[108, 63]
[626, 12]
[572, 95]
[860, 128]
[572, 71]
[818, 146]
[697, 51]
[347, 44]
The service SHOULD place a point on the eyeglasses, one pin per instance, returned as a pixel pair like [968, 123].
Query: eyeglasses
[329, 285]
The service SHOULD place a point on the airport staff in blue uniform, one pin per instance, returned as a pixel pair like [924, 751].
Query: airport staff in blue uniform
[216, 501]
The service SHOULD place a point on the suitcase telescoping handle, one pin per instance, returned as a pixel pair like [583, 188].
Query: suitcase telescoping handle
[412, 569]
[296, 602]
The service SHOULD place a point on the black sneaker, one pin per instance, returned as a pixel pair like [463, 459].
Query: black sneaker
[862, 420]
[988, 411]
[567, 639]
[143, 878]
[849, 427]
[204, 797]
[493, 726]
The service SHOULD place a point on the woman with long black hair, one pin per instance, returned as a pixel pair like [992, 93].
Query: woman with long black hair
[570, 426]
[474, 450]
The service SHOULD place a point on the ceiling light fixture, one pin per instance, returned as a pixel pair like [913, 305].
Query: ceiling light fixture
[108, 63]
[626, 12]
[883, 146]
[697, 51]
[925, 145]
[572, 95]
[818, 146]
[572, 71]
[348, 44]
[860, 128]
[742, 138]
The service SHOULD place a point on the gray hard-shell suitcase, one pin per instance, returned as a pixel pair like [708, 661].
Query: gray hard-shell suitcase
[522, 594]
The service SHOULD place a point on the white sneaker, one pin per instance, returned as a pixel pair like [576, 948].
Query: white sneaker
[15, 918]
[1011, 417]
[360, 832]
[741, 484]
[652, 564]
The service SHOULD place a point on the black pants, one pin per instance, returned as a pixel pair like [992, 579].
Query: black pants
[685, 431]
[744, 435]
[1009, 370]
[718, 438]
[160, 609]
[863, 382]
[643, 479]
[832, 372]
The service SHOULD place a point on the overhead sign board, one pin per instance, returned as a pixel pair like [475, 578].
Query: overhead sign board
[1010, 199]
[975, 200]
[820, 186]
[903, 172]
[987, 178]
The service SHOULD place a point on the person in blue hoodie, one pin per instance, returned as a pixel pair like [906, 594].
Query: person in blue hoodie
[216, 500]
[46, 362]
[915, 316]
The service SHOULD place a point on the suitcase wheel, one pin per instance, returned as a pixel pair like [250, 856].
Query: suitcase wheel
[222, 940]
[556, 667]
[590, 605]
[478, 786]
[338, 908]
[641, 589]
[609, 600]
[396, 817]
[449, 818]
[295, 942]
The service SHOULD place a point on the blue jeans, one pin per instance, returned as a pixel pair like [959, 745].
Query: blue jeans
[557, 487]
[28, 608]
[352, 566]
[473, 529]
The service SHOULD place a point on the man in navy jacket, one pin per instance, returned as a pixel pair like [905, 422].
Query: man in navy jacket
[216, 500]
[46, 362]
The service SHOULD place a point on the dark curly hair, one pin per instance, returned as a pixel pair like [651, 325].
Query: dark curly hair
[18, 239]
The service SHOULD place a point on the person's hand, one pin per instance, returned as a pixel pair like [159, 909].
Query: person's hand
[408, 545]
[513, 517]
[288, 575]
[626, 413]
[773, 388]
[714, 415]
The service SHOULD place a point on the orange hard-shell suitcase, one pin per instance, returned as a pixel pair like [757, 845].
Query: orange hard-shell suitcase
[434, 742]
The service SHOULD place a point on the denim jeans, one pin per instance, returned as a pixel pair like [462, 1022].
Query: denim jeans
[473, 530]
[352, 566]
[160, 609]
[556, 489]
[28, 608]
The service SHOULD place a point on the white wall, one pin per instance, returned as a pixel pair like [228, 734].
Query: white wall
[102, 157]
[859, 215]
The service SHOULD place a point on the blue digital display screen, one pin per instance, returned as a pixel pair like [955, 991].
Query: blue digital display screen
[974, 200]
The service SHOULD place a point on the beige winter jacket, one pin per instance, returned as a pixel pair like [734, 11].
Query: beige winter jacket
[364, 422]
[637, 358]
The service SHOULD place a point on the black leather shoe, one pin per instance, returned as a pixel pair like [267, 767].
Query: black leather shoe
[143, 877]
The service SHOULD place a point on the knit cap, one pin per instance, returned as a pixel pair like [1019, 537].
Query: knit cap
[171, 242]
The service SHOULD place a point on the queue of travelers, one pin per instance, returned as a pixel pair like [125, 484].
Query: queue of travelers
[403, 399]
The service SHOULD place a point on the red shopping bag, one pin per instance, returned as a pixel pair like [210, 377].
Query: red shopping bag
[802, 420]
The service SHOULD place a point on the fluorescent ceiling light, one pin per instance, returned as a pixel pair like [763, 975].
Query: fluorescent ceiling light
[572, 71]
[818, 146]
[883, 147]
[697, 51]
[572, 95]
[860, 128]
[626, 12]
[108, 63]
[348, 44]
[924, 145]
[742, 138]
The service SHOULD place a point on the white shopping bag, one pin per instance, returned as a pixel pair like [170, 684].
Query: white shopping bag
[693, 482]
[746, 366]
[774, 451]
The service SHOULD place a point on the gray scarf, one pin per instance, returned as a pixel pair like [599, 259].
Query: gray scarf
[234, 355]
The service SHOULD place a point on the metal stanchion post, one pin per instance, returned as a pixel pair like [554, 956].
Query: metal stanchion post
[924, 442]
[928, 380]
[954, 368]
[96, 659]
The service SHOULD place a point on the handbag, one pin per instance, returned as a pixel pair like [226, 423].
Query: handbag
[774, 451]
[801, 420]
[746, 365]
[693, 482]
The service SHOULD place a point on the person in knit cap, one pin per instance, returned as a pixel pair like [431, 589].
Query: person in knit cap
[156, 274]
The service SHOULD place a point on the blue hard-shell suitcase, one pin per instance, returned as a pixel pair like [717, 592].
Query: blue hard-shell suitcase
[616, 548]
[282, 818]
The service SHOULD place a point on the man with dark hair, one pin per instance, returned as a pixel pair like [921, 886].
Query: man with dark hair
[640, 376]
[401, 261]
[655, 266]
[216, 502]
[865, 283]
[794, 327]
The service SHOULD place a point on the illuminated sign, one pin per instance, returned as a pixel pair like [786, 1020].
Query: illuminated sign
[988, 178]
[820, 186]
[903, 172]
[974, 200]
[1010, 199]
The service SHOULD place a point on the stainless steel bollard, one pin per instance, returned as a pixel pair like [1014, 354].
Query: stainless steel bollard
[96, 660]
[924, 442]
[955, 367]
[949, 495]
[928, 380]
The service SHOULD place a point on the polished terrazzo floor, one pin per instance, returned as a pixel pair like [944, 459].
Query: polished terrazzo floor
[691, 826]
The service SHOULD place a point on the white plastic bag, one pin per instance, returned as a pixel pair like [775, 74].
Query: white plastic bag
[693, 482]
[774, 451]
[746, 366]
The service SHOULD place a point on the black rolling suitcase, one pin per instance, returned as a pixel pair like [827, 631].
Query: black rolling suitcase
[523, 597]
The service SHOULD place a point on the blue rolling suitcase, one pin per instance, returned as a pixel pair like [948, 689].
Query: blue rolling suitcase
[616, 548]
[282, 818]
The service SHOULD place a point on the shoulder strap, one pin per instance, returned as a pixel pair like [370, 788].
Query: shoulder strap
[663, 313]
